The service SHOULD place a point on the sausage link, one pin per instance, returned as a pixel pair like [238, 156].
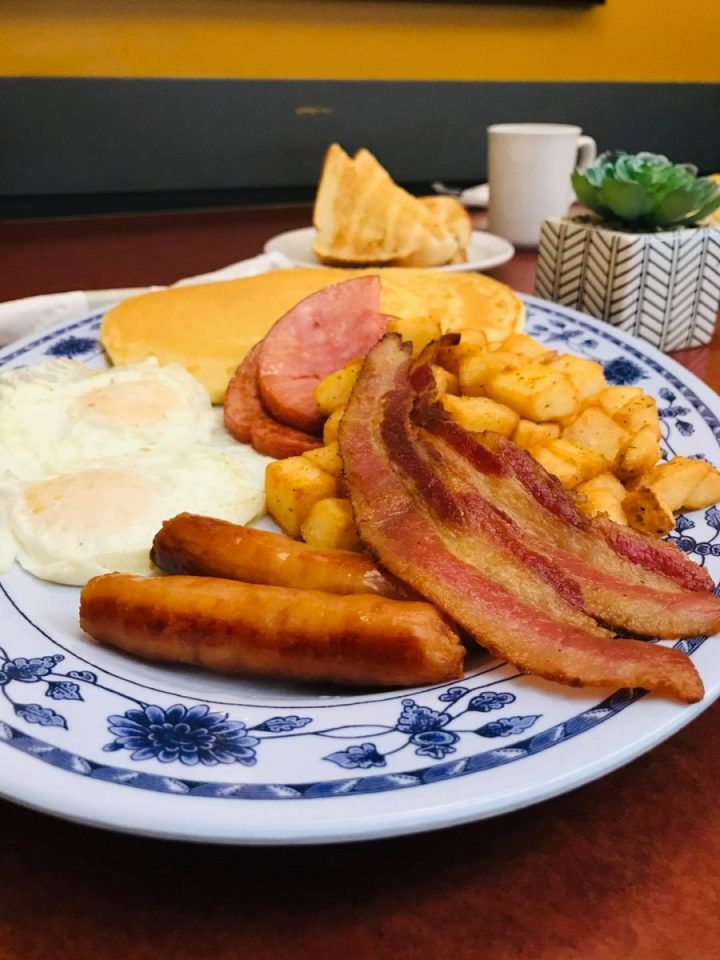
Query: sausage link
[203, 546]
[238, 628]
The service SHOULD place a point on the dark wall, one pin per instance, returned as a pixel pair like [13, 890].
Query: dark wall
[79, 138]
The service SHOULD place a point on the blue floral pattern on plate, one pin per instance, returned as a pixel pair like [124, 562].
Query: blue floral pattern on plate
[72, 347]
[380, 742]
[188, 734]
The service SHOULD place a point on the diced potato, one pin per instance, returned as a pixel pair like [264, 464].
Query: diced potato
[604, 481]
[602, 501]
[327, 458]
[445, 381]
[673, 481]
[472, 340]
[525, 346]
[330, 524]
[706, 493]
[588, 376]
[330, 428]
[602, 494]
[646, 511]
[476, 369]
[641, 453]
[571, 464]
[565, 422]
[611, 399]
[637, 413]
[567, 472]
[418, 330]
[334, 391]
[471, 343]
[481, 413]
[535, 391]
[528, 434]
[292, 487]
[595, 430]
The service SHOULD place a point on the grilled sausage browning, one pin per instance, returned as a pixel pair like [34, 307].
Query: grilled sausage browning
[238, 628]
[203, 546]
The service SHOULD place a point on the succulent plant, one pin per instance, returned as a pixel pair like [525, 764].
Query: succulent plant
[645, 191]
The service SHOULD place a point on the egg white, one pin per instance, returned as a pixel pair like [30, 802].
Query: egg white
[54, 416]
[103, 517]
[92, 463]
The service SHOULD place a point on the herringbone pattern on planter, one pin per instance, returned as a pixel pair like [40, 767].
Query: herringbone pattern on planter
[662, 287]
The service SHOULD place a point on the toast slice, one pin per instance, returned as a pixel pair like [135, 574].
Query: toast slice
[363, 218]
[454, 221]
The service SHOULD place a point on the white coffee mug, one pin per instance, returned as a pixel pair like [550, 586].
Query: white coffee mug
[529, 168]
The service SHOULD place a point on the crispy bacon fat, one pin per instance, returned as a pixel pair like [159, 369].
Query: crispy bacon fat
[423, 513]
[626, 579]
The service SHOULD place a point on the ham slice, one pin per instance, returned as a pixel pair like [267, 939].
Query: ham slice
[661, 593]
[317, 337]
[420, 524]
[247, 420]
[242, 404]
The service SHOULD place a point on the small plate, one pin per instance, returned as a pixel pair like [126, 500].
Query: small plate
[484, 251]
[91, 734]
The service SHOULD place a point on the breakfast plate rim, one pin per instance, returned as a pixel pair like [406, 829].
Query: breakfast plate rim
[50, 794]
[375, 825]
[278, 244]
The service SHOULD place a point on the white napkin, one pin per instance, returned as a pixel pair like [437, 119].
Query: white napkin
[21, 318]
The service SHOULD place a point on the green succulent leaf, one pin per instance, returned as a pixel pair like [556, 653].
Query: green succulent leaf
[625, 199]
[711, 204]
[586, 191]
[675, 207]
[645, 190]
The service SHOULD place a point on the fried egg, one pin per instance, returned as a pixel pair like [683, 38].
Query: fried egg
[57, 414]
[103, 517]
[92, 462]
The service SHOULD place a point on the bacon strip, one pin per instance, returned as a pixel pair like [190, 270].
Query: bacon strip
[503, 612]
[660, 556]
[615, 589]
[490, 540]
[656, 556]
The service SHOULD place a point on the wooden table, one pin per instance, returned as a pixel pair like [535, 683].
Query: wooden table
[626, 868]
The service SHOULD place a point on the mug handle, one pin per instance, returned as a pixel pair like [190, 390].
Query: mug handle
[587, 151]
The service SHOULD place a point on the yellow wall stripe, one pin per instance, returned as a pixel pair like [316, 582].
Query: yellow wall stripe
[622, 40]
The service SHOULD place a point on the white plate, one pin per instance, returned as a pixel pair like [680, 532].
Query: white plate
[81, 727]
[485, 250]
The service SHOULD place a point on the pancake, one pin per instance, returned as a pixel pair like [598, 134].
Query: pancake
[210, 328]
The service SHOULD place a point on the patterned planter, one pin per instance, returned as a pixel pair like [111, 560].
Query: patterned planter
[663, 287]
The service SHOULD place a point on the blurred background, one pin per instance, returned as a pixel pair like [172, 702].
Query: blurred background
[154, 104]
